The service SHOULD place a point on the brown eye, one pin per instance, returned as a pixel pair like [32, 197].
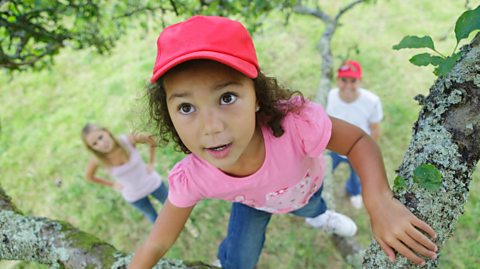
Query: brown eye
[186, 109]
[228, 98]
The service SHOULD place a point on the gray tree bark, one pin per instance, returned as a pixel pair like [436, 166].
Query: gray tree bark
[446, 135]
[60, 245]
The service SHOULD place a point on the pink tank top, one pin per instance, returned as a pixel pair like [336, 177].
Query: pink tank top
[133, 175]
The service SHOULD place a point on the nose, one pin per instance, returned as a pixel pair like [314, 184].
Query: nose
[212, 121]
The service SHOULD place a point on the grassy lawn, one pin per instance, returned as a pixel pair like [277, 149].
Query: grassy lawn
[42, 158]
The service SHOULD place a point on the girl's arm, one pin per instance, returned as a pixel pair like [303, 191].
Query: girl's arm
[146, 139]
[167, 228]
[393, 225]
[90, 171]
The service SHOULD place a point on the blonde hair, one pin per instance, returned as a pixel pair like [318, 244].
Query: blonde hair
[90, 127]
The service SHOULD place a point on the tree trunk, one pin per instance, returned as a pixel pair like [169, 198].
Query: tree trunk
[349, 248]
[446, 135]
[60, 245]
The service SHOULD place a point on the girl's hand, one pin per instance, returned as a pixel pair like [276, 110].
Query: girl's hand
[396, 228]
[117, 186]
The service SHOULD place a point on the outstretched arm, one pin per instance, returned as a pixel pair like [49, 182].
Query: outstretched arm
[393, 225]
[167, 228]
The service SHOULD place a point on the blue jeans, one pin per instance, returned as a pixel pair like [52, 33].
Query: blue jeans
[352, 186]
[146, 207]
[246, 232]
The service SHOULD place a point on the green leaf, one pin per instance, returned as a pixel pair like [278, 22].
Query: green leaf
[468, 22]
[422, 59]
[399, 184]
[436, 60]
[428, 177]
[446, 65]
[413, 42]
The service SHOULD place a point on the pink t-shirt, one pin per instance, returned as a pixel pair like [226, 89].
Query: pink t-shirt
[291, 173]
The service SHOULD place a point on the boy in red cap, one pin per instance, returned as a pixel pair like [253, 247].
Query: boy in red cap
[358, 106]
[258, 145]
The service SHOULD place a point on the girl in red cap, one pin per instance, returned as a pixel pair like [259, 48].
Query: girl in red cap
[250, 141]
[134, 179]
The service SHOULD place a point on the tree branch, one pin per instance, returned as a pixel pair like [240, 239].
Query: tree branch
[140, 10]
[445, 135]
[316, 12]
[60, 245]
[346, 8]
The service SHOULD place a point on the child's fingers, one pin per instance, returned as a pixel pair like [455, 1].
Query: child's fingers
[424, 227]
[407, 253]
[422, 239]
[418, 248]
[388, 250]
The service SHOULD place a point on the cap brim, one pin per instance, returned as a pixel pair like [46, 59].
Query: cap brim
[238, 64]
[349, 75]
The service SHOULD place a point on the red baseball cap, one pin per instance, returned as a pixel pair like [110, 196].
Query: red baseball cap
[206, 37]
[350, 69]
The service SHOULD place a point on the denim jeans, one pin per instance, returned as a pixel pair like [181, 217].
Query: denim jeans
[352, 186]
[246, 232]
[146, 207]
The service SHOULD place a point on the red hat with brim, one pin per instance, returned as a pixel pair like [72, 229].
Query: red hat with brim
[350, 69]
[206, 37]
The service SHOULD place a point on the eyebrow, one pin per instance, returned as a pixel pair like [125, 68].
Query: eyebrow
[215, 89]
[178, 95]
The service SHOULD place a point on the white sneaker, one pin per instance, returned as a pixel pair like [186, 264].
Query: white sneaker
[217, 263]
[333, 222]
[356, 201]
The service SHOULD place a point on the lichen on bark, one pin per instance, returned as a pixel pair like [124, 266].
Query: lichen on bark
[445, 135]
[60, 245]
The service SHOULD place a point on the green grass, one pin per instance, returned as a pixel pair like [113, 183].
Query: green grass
[42, 115]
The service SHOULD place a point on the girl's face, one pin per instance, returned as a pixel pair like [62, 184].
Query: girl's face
[100, 141]
[212, 108]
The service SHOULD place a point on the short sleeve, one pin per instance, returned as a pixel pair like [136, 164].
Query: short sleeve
[377, 112]
[182, 190]
[313, 128]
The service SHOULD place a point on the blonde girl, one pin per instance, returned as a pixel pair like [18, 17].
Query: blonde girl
[134, 179]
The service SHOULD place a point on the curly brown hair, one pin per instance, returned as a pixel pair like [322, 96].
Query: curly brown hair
[271, 97]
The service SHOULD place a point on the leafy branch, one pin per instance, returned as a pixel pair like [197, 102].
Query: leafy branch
[467, 23]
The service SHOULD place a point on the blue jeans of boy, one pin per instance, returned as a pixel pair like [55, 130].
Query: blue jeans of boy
[246, 232]
[146, 207]
[352, 186]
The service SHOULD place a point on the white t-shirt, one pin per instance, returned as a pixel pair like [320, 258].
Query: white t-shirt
[362, 112]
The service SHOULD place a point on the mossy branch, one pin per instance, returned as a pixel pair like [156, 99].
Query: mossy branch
[445, 135]
[60, 245]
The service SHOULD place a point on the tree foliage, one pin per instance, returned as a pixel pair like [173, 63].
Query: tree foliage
[33, 31]
[467, 23]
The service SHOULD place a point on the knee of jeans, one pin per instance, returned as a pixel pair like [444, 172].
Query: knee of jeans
[237, 256]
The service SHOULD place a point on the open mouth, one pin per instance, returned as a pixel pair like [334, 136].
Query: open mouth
[219, 152]
[220, 148]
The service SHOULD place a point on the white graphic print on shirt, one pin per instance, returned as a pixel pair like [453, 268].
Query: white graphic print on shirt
[285, 199]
